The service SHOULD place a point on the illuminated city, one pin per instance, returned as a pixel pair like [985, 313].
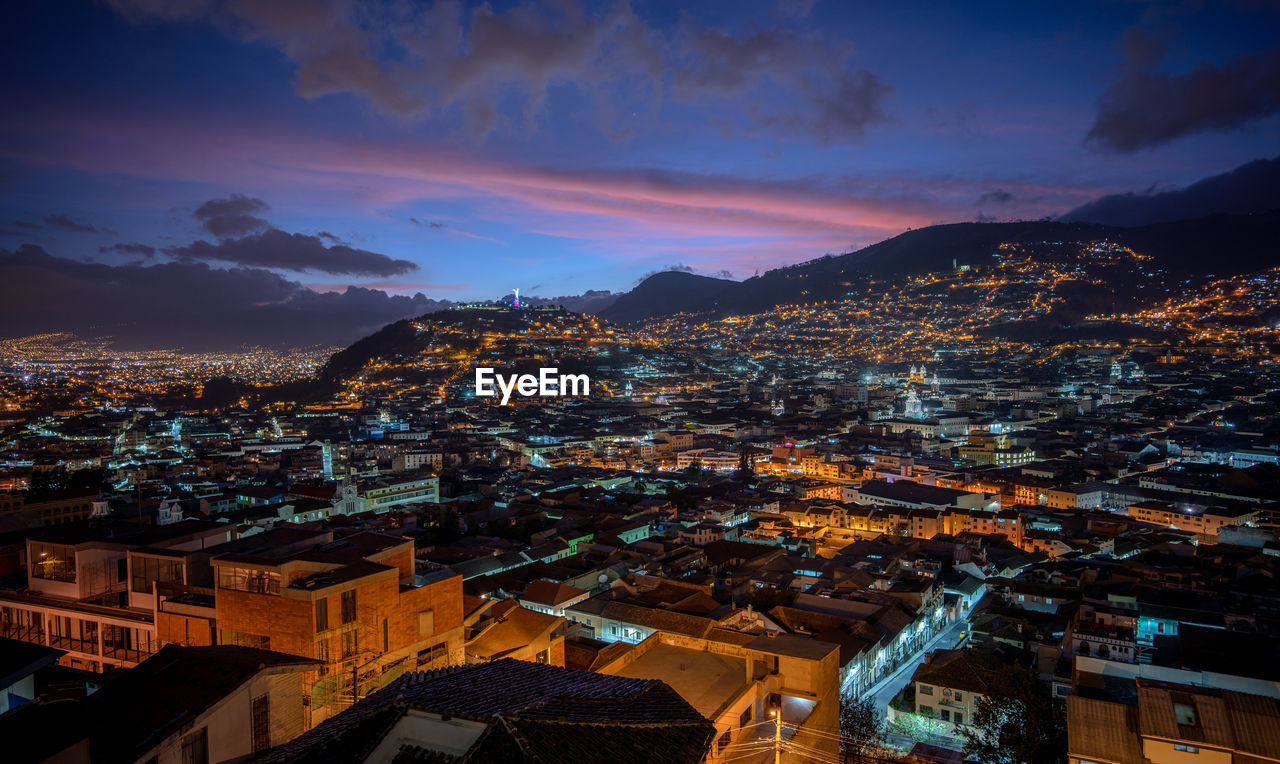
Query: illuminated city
[840, 417]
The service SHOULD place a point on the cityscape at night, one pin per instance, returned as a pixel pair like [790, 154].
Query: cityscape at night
[395, 381]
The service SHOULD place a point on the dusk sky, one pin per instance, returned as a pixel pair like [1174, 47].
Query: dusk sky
[460, 150]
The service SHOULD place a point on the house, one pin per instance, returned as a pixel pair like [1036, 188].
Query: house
[950, 682]
[511, 711]
[550, 597]
[739, 681]
[511, 631]
[183, 704]
[1174, 723]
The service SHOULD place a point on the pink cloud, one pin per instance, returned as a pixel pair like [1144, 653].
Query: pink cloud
[619, 209]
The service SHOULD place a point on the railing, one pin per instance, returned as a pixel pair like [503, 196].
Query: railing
[74, 643]
[23, 633]
[124, 653]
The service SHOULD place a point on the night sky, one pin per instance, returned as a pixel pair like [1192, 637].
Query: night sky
[460, 151]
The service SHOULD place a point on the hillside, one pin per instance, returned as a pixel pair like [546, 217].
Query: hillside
[1216, 245]
[665, 293]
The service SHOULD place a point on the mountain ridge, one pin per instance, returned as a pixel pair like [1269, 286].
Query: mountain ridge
[1231, 243]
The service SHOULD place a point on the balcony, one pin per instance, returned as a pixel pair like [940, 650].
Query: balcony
[122, 653]
[34, 634]
[74, 644]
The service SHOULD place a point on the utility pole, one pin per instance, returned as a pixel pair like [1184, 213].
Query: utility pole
[777, 735]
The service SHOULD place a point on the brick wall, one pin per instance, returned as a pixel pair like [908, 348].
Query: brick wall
[183, 629]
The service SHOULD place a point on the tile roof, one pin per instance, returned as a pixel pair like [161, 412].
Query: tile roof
[534, 712]
[1099, 730]
[550, 593]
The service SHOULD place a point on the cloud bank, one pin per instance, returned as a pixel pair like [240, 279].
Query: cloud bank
[185, 304]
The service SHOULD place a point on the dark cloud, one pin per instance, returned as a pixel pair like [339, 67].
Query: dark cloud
[67, 224]
[236, 215]
[995, 196]
[25, 224]
[1252, 187]
[130, 249]
[1146, 108]
[434, 225]
[415, 59]
[298, 252]
[185, 304]
[830, 100]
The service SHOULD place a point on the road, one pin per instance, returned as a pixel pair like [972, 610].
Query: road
[889, 687]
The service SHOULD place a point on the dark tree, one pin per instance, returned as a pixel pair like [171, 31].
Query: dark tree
[746, 473]
[449, 526]
[862, 732]
[89, 478]
[763, 599]
[1017, 721]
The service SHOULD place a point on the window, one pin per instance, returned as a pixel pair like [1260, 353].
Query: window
[945, 714]
[426, 623]
[745, 719]
[1183, 747]
[723, 742]
[260, 711]
[348, 644]
[1184, 713]
[322, 654]
[349, 606]
[229, 637]
[959, 696]
[432, 654]
[322, 614]
[249, 580]
[149, 570]
[926, 689]
[195, 747]
[52, 562]
[386, 636]
[543, 657]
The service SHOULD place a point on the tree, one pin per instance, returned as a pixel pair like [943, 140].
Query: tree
[862, 733]
[1017, 721]
[746, 473]
[765, 598]
[449, 526]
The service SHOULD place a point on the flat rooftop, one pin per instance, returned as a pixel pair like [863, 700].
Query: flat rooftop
[708, 681]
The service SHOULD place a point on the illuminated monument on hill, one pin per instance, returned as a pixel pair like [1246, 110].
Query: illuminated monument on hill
[516, 302]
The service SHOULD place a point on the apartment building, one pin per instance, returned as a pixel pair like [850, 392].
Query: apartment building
[357, 603]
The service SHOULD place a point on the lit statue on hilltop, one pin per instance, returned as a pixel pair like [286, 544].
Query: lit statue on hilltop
[516, 302]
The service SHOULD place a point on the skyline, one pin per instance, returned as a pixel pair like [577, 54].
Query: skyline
[409, 149]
